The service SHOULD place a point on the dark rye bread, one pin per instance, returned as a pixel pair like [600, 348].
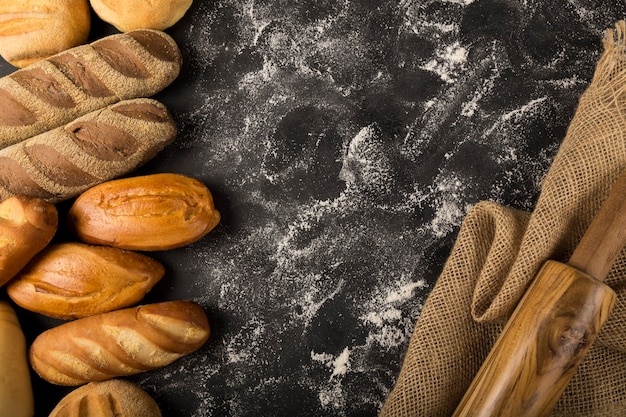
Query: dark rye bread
[55, 91]
[61, 163]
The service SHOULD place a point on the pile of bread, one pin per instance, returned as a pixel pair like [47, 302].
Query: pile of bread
[76, 120]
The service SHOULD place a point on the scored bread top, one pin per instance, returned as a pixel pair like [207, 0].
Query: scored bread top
[55, 91]
[60, 164]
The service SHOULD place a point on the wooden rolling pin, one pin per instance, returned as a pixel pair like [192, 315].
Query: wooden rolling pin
[553, 326]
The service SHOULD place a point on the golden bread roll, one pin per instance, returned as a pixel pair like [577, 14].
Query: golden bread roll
[53, 92]
[113, 398]
[31, 30]
[26, 226]
[119, 343]
[72, 280]
[150, 212]
[127, 15]
[62, 163]
[16, 391]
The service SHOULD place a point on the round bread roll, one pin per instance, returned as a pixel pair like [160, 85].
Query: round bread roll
[31, 30]
[116, 397]
[127, 15]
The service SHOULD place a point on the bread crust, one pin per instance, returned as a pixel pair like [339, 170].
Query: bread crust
[16, 393]
[127, 15]
[116, 397]
[72, 280]
[27, 225]
[32, 30]
[52, 92]
[151, 212]
[119, 343]
[64, 162]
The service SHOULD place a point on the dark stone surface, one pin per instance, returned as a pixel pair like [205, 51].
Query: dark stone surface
[344, 142]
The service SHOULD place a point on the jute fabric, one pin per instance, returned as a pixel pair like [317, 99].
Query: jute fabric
[499, 250]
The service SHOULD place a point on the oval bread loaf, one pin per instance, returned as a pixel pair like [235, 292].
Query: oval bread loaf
[16, 392]
[113, 398]
[57, 90]
[27, 225]
[31, 30]
[150, 212]
[71, 280]
[128, 15]
[119, 343]
[62, 163]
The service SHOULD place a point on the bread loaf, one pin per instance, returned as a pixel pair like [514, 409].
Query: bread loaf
[150, 212]
[71, 280]
[16, 392]
[128, 15]
[119, 343]
[113, 398]
[26, 226]
[31, 30]
[57, 90]
[62, 163]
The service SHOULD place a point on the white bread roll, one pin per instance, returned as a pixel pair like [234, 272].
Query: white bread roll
[127, 15]
[31, 30]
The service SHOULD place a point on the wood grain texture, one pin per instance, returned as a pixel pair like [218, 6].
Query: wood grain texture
[541, 346]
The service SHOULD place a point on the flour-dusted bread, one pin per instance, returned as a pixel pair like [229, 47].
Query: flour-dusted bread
[16, 392]
[127, 15]
[27, 225]
[119, 343]
[57, 90]
[31, 30]
[62, 163]
[70, 280]
[113, 398]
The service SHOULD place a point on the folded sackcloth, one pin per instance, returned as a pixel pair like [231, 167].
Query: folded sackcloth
[498, 252]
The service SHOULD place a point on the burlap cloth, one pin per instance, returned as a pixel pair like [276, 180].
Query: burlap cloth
[499, 250]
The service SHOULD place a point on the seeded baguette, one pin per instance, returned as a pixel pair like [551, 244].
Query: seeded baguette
[62, 163]
[57, 90]
[119, 343]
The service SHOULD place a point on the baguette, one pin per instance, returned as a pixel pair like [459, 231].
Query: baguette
[119, 343]
[26, 226]
[57, 90]
[62, 163]
[31, 30]
[113, 398]
[71, 280]
[16, 392]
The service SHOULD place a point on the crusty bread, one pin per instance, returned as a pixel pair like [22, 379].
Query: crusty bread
[160, 212]
[31, 30]
[127, 15]
[16, 392]
[62, 163]
[119, 343]
[113, 398]
[57, 90]
[26, 226]
[71, 280]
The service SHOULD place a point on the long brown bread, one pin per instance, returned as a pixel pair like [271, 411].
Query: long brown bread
[57, 90]
[62, 163]
[119, 343]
